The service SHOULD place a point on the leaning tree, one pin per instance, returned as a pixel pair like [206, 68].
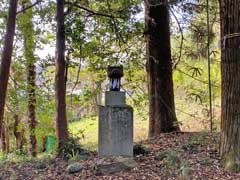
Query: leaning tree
[7, 56]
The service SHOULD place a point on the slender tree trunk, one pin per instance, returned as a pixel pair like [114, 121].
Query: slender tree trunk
[162, 117]
[31, 109]
[5, 136]
[7, 148]
[18, 130]
[61, 118]
[5, 139]
[150, 72]
[18, 133]
[150, 77]
[27, 29]
[230, 69]
[7, 56]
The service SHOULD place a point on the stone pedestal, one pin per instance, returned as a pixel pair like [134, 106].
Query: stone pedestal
[115, 126]
[115, 98]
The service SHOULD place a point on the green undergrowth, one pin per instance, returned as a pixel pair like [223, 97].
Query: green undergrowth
[6, 159]
[173, 162]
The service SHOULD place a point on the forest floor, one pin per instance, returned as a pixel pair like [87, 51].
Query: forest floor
[169, 156]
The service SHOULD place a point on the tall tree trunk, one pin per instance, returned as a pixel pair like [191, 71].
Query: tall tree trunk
[162, 117]
[230, 69]
[27, 29]
[151, 86]
[7, 56]
[61, 117]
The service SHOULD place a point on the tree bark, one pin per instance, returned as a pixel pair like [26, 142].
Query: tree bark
[150, 74]
[162, 116]
[4, 137]
[230, 69]
[27, 29]
[7, 56]
[61, 117]
[18, 133]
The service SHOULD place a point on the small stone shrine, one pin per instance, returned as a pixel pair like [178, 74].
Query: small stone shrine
[115, 136]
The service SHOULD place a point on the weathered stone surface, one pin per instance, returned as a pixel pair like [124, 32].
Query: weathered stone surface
[128, 162]
[115, 131]
[115, 98]
[74, 168]
[106, 169]
[83, 157]
[120, 164]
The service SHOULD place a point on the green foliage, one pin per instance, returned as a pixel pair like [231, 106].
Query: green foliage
[190, 146]
[72, 149]
[161, 156]
[46, 125]
[191, 75]
[86, 132]
[195, 141]
[172, 159]
[102, 40]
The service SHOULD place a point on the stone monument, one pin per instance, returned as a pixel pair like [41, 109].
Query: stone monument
[115, 136]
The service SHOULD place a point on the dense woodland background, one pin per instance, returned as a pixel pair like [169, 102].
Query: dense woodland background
[170, 51]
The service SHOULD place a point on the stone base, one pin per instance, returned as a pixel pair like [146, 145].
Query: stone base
[115, 131]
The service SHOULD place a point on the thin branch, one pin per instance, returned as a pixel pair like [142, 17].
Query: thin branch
[28, 7]
[78, 73]
[9, 109]
[182, 38]
[92, 12]
[14, 82]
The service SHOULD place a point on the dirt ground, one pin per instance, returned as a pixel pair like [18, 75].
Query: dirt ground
[170, 156]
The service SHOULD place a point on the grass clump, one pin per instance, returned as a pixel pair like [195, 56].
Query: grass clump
[160, 156]
[190, 146]
[174, 164]
[185, 171]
